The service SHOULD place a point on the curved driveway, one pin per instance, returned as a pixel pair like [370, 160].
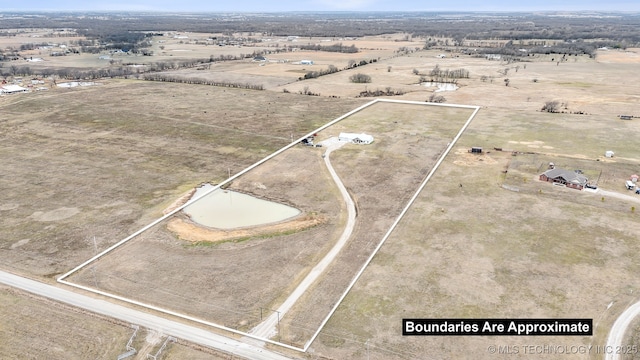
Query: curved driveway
[268, 328]
[616, 335]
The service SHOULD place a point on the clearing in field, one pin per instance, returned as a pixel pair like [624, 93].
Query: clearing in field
[234, 279]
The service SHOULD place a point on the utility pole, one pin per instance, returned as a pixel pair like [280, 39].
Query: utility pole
[93, 268]
[278, 324]
[367, 344]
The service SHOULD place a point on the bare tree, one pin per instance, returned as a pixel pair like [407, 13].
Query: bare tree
[360, 78]
[436, 98]
[551, 106]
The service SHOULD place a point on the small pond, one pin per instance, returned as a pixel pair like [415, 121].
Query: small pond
[224, 209]
[442, 86]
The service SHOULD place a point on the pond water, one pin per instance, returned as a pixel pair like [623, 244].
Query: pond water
[224, 209]
[75, 84]
[441, 86]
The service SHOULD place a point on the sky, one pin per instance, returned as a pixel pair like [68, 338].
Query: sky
[317, 5]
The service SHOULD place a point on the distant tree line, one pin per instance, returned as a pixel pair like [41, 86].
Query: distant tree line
[314, 74]
[351, 49]
[68, 73]
[200, 81]
[125, 28]
[441, 75]
[572, 48]
[375, 93]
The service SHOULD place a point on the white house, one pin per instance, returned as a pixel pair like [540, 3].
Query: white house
[355, 138]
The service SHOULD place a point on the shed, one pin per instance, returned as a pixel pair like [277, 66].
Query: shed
[476, 150]
[306, 62]
[355, 138]
[608, 153]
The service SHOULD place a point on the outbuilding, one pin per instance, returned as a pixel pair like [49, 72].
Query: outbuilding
[355, 138]
[12, 89]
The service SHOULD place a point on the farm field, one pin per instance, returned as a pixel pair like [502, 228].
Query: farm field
[61, 332]
[85, 167]
[232, 283]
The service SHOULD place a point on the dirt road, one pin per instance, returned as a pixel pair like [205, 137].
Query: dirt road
[159, 324]
[269, 327]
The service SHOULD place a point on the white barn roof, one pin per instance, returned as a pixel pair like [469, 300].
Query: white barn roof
[12, 89]
[356, 138]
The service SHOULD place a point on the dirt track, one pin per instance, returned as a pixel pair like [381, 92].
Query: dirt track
[269, 327]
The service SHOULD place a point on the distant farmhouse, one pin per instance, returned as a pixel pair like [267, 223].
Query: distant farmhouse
[571, 179]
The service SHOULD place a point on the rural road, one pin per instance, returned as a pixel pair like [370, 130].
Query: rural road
[616, 335]
[153, 322]
[269, 327]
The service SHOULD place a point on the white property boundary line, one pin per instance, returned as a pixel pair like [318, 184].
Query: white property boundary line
[62, 278]
[395, 223]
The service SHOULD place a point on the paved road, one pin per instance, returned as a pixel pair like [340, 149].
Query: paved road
[268, 328]
[164, 326]
[616, 335]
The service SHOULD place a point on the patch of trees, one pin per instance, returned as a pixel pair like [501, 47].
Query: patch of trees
[551, 106]
[360, 78]
[352, 63]
[563, 48]
[200, 81]
[9, 55]
[386, 92]
[447, 74]
[436, 98]
[306, 91]
[351, 49]
[32, 46]
[556, 107]
[314, 74]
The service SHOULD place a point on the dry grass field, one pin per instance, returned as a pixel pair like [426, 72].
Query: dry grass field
[103, 161]
[233, 282]
[35, 328]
